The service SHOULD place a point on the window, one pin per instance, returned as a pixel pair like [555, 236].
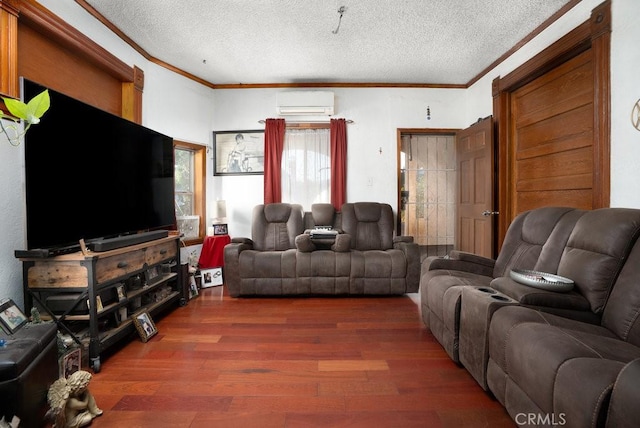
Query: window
[190, 190]
[306, 166]
[184, 173]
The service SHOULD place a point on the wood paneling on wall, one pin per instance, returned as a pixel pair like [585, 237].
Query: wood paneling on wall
[42, 60]
[53, 53]
[8, 49]
[553, 138]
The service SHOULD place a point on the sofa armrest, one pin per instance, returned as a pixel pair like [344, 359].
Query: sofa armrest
[623, 408]
[411, 252]
[232, 265]
[402, 238]
[464, 262]
[341, 243]
[304, 243]
[472, 258]
[240, 240]
[531, 296]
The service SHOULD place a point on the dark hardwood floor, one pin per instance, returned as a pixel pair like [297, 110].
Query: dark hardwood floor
[290, 362]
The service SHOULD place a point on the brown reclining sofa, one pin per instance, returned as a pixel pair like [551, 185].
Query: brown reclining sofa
[552, 358]
[283, 258]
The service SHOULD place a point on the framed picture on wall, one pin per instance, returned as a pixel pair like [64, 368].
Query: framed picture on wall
[238, 152]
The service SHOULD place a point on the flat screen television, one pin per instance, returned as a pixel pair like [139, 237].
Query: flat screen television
[92, 175]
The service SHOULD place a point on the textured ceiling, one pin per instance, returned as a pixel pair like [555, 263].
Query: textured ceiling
[293, 41]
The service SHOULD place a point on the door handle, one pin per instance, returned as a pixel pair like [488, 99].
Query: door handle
[487, 213]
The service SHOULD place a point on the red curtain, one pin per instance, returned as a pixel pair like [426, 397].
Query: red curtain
[273, 145]
[338, 134]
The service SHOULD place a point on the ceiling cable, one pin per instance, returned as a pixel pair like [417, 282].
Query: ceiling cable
[341, 11]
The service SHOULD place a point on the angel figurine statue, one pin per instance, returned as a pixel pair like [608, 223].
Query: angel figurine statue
[71, 404]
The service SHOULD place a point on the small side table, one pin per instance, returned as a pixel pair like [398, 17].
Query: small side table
[212, 254]
[212, 260]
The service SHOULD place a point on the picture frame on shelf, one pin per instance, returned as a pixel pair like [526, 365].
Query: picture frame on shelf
[99, 306]
[152, 275]
[220, 229]
[11, 316]
[144, 325]
[70, 362]
[193, 288]
[211, 277]
[120, 292]
[120, 315]
[238, 152]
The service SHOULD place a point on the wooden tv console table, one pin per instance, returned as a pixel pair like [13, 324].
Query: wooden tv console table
[92, 296]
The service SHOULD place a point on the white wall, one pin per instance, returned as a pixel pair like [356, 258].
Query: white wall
[625, 91]
[371, 139]
[12, 229]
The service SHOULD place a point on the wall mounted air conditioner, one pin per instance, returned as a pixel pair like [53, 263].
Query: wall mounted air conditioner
[305, 103]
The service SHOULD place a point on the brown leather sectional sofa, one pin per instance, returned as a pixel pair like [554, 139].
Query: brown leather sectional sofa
[284, 257]
[551, 358]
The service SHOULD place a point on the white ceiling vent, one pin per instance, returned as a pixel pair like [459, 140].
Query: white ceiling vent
[305, 103]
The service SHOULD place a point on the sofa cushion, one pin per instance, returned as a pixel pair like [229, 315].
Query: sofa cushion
[596, 251]
[323, 272]
[622, 312]
[274, 227]
[323, 214]
[370, 225]
[267, 264]
[582, 390]
[535, 239]
[624, 411]
[531, 346]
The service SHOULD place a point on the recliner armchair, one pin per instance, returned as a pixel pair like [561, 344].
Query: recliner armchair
[380, 262]
[266, 263]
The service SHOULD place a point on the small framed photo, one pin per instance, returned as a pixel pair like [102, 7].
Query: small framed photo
[99, 306]
[220, 229]
[120, 315]
[145, 326]
[211, 277]
[152, 275]
[11, 316]
[121, 292]
[70, 362]
[193, 288]
[238, 152]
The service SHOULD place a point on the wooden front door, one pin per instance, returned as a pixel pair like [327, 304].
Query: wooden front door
[475, 202]
[553, 124]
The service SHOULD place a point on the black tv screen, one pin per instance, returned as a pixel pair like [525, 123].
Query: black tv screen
[90, 175]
